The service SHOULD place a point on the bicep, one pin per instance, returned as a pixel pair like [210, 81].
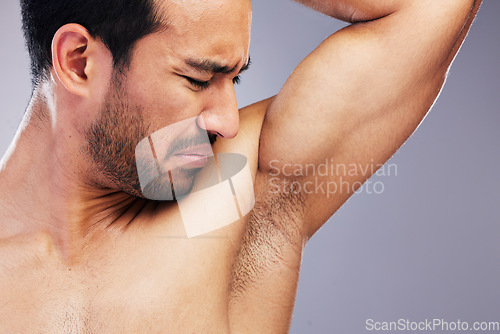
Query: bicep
[359, 96]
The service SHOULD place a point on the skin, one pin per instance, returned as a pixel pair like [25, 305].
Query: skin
[89, 256]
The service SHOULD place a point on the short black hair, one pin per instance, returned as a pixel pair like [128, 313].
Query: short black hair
[117, 23]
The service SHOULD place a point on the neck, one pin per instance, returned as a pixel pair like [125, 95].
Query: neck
[43, 187]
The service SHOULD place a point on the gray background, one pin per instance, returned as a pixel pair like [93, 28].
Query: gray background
[428, 246]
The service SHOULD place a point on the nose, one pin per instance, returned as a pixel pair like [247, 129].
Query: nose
[221, 115]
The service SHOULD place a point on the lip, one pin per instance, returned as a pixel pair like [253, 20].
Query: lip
[201, 150]
[193, 157]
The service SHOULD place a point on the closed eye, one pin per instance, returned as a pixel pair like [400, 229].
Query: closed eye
[196, 83]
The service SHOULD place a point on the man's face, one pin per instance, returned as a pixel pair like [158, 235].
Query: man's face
[184, 72]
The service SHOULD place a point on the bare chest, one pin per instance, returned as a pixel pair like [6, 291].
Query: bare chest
[158, 283]
[156, 289]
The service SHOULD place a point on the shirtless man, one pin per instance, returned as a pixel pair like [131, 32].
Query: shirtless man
[82, 250]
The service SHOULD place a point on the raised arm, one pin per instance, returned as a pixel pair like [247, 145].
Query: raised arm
[359, 95]
[355, 10]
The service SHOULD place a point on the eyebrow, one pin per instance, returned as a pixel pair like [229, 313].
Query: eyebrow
[210, 66]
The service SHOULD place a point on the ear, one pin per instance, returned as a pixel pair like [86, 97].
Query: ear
[74, 57]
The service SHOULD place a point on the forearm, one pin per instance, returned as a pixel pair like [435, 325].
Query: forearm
[430, 28]
[360, 10]
[355, 10]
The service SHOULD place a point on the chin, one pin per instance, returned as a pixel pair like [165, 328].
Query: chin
[163, 188]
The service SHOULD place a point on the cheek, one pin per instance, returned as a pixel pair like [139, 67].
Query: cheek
[164, 104]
